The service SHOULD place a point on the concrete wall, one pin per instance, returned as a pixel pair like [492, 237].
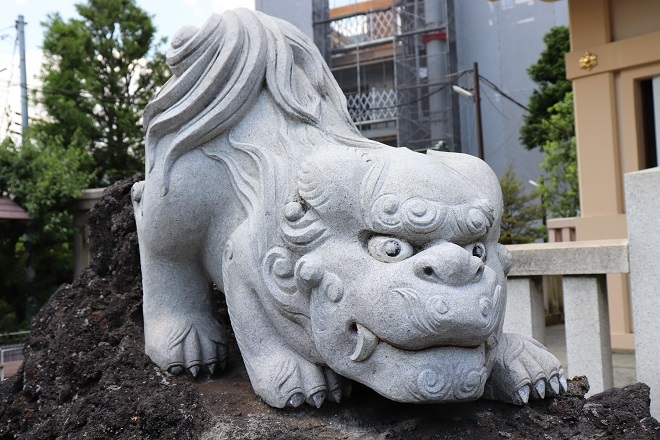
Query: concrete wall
[505, 38]
[298, 12]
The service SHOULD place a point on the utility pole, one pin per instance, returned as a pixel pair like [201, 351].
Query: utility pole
[477, 109]
[20, 27]
[475, 94]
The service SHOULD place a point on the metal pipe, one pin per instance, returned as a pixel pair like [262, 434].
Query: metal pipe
[437, 67]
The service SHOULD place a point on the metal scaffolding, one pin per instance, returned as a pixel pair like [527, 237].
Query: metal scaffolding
[393, 60]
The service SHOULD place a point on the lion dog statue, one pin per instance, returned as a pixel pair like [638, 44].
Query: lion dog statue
[340, 258]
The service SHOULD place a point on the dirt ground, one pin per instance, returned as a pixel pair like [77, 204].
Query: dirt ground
[85, 375]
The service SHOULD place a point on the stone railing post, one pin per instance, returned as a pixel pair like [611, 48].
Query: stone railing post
[643, 214]
[583, 266]
[81, 239]
[588, 345]
[525, 314]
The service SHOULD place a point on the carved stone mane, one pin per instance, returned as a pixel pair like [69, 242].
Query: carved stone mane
[220, 71]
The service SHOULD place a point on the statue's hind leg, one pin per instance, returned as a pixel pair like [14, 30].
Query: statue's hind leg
[180, 330]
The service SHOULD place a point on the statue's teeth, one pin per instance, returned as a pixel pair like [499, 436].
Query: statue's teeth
[366, 344]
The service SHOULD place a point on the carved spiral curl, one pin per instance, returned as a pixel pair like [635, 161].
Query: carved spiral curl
[470, 384]
[433, 383]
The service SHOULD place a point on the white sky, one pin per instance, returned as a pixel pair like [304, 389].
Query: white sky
[168, 16]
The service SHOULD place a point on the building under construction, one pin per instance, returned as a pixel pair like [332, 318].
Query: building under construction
[395, 61]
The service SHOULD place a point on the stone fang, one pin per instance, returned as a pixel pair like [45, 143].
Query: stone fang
[366, 344]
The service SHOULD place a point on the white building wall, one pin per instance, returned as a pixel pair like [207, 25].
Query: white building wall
[298, 12]
[505, 38]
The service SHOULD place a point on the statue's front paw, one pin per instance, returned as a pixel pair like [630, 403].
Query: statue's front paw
[287, 379]
[523, 369]
[181, 344]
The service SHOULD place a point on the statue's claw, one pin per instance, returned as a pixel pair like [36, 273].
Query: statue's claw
[211, 367]
[194, 370]
[175, 370]
[562, 381]
[539, 388]
[336, 385]
[523, 369]
[316, 399]
[523, 394]
[554, 384]
[296, 400]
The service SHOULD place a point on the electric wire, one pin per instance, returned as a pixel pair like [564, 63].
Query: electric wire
[455, 75]
[496, 107]
[566, 132]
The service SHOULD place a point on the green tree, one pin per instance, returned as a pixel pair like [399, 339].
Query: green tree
[43, 177]
[550, 126]
[522, 217]
[99, 72]
[560, 189]
[549, 73]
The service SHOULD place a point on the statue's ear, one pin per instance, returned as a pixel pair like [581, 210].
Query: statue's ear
[278, 268]
[505, 258]
[310, 274]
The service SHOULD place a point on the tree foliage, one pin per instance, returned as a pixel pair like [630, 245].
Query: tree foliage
[44, 178]
[550, 126]
[549, 73]
[99, 72]
[560, 189]
[523, 215]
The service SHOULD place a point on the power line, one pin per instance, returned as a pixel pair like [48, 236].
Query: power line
[455, 75]
[566, 132]
[497, 109]
[501, 92]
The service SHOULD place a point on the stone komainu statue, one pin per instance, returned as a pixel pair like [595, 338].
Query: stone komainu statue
[340, 258]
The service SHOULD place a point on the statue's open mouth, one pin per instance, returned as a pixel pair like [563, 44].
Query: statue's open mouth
[367, 340]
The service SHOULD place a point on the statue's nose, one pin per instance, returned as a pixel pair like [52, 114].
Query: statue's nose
[449, 264]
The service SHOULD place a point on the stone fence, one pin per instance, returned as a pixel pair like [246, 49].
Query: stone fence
[583, 266]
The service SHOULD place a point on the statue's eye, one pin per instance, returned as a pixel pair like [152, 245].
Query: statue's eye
[478, 250]
[389, 249]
